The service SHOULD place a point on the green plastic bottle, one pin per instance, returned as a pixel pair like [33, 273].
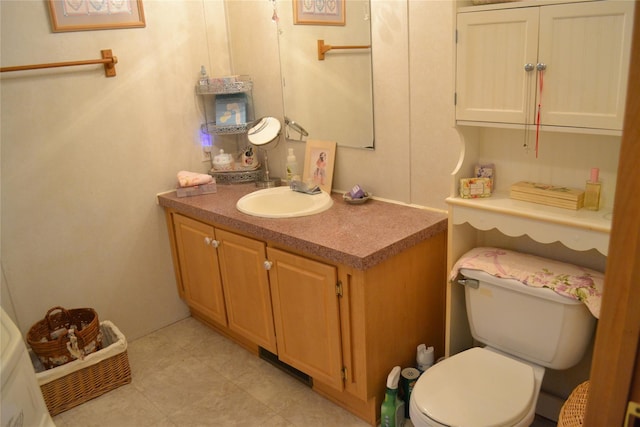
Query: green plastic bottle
[392, 409]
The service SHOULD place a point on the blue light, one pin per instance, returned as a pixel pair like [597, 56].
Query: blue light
[205, 139]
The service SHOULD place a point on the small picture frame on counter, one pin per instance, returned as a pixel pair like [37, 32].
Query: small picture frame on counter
[319, 161]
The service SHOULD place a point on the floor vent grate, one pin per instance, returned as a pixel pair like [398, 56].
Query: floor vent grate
[273, 359]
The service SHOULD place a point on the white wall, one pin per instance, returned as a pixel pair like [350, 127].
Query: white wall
[83, 157]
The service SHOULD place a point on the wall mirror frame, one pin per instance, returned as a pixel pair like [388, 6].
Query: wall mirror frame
[331, 99]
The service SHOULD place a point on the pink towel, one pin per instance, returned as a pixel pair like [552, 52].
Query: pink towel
[189, 179]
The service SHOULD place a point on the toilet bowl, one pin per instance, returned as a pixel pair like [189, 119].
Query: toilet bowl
[524, 330]
[479, 387]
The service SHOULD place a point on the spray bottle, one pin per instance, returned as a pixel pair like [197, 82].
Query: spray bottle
[392, 409]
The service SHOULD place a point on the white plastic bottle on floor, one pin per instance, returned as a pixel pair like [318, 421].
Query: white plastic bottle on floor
[424, 357]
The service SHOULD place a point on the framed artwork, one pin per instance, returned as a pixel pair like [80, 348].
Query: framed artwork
[84, 15]
[319, 161]
[319, 12]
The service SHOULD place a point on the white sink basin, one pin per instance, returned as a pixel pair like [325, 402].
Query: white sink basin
[282, 202]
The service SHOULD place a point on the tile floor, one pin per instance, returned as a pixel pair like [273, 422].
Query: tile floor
[188, 375]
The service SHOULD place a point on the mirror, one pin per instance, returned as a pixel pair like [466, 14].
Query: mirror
[265, 134]
[332, 99]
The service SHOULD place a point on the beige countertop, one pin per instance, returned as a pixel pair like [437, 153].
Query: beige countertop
[358, 236]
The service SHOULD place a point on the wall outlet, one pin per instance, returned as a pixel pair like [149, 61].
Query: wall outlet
[206, 154]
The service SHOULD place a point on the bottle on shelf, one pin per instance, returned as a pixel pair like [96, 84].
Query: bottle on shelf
[592, 191]
[204, 78]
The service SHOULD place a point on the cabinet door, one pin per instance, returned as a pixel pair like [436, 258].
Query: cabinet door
[306, 314]
[199, 267]
[493, 48]
[246, 288]
[586, 49]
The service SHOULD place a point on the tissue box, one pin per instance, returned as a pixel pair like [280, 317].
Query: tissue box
[545, 194]
[231, 109]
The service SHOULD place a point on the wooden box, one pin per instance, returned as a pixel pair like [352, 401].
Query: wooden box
[545, 194]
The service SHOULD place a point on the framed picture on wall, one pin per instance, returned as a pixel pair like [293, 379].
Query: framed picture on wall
[319, 161]
[84, 15]
[319, 12]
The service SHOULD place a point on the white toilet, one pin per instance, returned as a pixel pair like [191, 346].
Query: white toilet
[525, 329]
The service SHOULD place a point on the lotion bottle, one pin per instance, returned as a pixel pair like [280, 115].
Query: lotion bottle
[292, 166]
[592, 191]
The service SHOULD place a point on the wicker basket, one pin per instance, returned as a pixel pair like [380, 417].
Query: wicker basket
[77, 382]
[572, 412]
[65, 335]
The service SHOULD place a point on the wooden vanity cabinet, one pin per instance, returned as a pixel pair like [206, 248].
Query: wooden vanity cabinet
[222, 279]
[344, 327]
[246, 288]
[305, 296]
[197, 265]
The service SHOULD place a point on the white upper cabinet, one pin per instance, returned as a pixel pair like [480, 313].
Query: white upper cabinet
[572, 60]
[492, 50]
[586, 47]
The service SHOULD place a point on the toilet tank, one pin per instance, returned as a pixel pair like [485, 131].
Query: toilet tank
[534, 324]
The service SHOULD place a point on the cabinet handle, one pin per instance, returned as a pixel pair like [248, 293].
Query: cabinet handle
[267, 265]
[541, 66]
[528, 67]
[209, 241]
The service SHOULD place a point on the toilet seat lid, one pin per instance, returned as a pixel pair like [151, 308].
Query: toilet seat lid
[477, 387]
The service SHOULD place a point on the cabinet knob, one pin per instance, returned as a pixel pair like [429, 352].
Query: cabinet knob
[267, 265]
[528, 67]
[210, 241]
[541, 66]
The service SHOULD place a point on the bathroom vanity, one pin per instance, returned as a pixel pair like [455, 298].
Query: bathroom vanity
[342, 296]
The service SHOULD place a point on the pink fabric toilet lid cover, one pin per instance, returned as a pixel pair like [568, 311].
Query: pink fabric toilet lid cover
[569, 280]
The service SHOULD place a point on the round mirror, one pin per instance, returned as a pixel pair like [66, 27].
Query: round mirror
[264, 131]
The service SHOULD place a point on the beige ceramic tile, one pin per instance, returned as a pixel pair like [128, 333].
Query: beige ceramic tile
[313, 410]
[189, 375]
[124, 407]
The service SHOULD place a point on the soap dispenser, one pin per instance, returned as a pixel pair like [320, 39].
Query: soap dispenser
[392, 409]
[292, 166]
